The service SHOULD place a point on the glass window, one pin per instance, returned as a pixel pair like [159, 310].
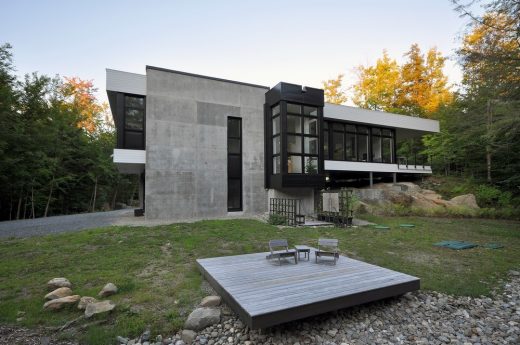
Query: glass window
[350, 147]
[310, 126]
[233, 145]
[337, 146]
[134, 102]
[362, 148]
[294, 165]
[234, 128]
[310, 111]
[294, 108]
[276, 125]
[276, 165]
[234, 194]
[376, 131]
[134, 119]
[311, 165]
[362, 130]
[276, 145]
[275, 110]
[338, 127]
[294, 143]
[326, 144]
[294, 124]
[311, 145]
[376, 149]
[325, 125]
[388, 146]
[351, 128]
[387, 133]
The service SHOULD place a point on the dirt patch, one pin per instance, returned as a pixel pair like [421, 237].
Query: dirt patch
[18, 335]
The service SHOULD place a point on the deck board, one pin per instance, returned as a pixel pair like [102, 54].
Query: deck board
[264, 294]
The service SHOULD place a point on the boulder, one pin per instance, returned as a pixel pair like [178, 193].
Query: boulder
[59, 303]
[55, 283]
[84, 301]
[210, 301]
[188, 336]
[466, 200]
[59, 293]
[99, 307]
[201, 318]
[108, 290]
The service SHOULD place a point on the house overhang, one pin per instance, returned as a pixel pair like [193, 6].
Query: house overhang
[405, 126]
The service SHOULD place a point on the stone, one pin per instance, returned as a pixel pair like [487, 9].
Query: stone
[56, 283]
[99, 307]
[466, 200]
[211, 301]
[59, 293]
[108, 290]
[188, 336]
[84, 301]
[201, 318]
[122, 340]
[58, 303]
[180, 342]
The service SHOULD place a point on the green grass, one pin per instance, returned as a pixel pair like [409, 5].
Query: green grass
[159, 284]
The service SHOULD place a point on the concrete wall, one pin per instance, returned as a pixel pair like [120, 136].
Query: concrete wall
[305, 194]
[186, 145]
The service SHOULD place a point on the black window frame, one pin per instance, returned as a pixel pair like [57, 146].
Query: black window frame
[239, 155]
[276, 135]
[126, 129]
[301, 134]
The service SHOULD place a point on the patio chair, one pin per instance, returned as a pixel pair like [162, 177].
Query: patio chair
[280, 249]
[327, 247]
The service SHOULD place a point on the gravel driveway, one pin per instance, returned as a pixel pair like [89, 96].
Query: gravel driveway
[59, 224]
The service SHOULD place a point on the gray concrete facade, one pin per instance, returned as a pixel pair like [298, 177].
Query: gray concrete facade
[186, 145]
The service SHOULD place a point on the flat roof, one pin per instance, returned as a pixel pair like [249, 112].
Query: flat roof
[264, 294]
[373, 117]
[127, 82]
[205, 77]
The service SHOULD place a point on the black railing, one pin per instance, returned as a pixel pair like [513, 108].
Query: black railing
[289, 209]
[417, 162]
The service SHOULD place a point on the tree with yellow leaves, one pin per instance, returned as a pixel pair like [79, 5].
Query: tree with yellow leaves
[333, 91]
[378, 86]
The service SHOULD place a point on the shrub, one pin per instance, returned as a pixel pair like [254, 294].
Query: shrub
[489, 196]
[277, 219]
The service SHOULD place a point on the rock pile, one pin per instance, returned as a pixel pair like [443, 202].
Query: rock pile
[415, 318]
[62, 296]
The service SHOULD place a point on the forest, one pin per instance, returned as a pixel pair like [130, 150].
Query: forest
[479, 118]
[56, 138]
[56, 141]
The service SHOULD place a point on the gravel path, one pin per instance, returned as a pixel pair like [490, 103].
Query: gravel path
[59, 224]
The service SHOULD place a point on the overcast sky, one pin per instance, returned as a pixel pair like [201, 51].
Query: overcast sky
[261, 42]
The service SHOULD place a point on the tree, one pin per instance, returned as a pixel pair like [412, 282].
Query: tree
[378, 86]
[333, 92]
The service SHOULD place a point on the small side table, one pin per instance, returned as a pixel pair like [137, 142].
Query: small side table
[303, 249]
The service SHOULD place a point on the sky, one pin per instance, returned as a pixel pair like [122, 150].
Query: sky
[260, 42]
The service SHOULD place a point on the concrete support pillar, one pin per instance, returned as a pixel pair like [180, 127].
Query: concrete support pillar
[394, 175]
[371, 177]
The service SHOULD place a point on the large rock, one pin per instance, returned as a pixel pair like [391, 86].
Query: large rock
[55, 283]
[210, 301]
[108, 290]
[59, 303]
[201, 318]
[59, 293]
[99, 307]
[84, 301]
[466, 200]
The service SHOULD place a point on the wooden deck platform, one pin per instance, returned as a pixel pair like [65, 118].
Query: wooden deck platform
[265, 294]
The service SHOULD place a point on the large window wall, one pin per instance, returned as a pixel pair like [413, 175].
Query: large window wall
[359, 143]
[134, 117]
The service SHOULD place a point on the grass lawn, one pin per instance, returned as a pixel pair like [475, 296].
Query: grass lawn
[159, 284]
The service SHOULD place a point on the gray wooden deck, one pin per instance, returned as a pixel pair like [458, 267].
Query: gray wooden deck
[265, 294]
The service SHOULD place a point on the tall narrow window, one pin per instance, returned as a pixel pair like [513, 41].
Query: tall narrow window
[275, 119]
[234, 164]
[134, 122]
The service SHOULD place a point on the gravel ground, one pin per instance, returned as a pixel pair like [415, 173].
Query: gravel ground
[415, 318]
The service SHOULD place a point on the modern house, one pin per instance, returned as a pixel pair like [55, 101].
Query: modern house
[207, 147]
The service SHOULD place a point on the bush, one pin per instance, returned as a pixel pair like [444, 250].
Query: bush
[277, 219]
[489, 196]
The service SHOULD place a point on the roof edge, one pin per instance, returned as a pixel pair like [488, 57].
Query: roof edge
[204, 77]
